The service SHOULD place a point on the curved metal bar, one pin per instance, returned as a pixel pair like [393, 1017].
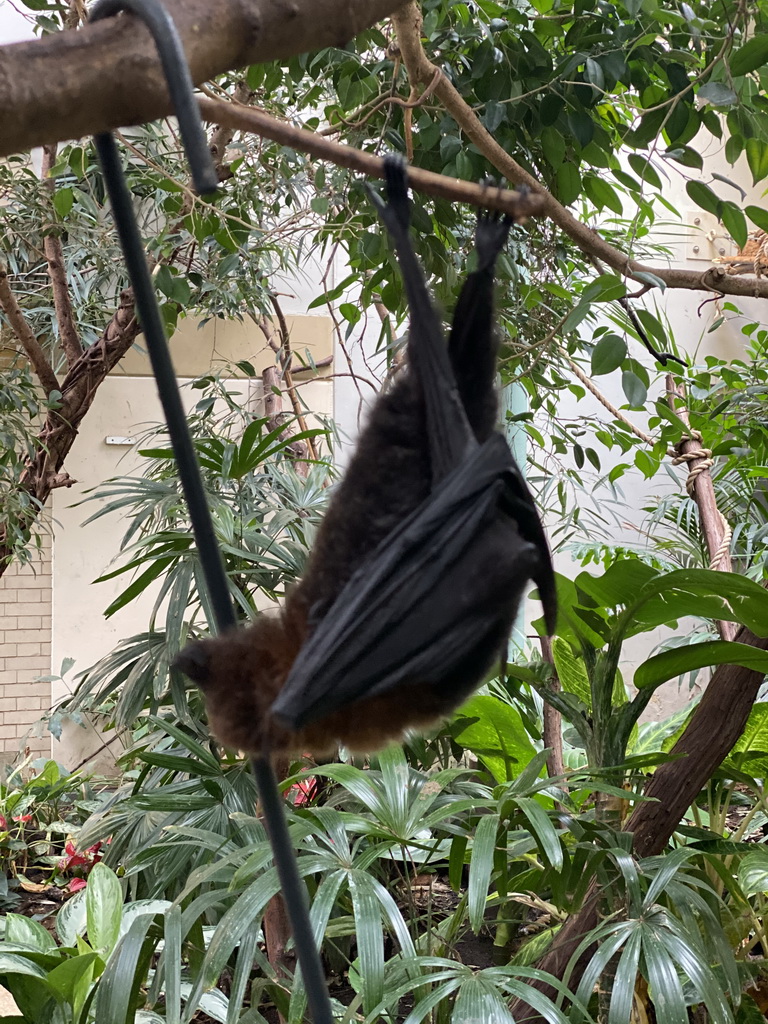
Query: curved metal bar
[165, 378]
[222, 612]
[178, 79]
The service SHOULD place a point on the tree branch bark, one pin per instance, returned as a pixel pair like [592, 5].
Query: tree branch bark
[539, 202]
[716, 724]
[74, 83]
[78, 390]
[54, 254]
[26, 336]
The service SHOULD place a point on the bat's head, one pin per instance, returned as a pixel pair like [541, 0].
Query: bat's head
[241, 673]
[195, 662]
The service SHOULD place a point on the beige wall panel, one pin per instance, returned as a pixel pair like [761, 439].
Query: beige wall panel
[221, 343]
[124, 406]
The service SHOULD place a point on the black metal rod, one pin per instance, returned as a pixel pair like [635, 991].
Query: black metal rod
[204, 176]
[178, 79]
[291, 883]
[165, 377]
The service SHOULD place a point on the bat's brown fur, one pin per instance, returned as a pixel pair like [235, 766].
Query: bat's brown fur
[246, 671]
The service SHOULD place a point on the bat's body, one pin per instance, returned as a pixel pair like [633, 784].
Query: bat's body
[420, 564]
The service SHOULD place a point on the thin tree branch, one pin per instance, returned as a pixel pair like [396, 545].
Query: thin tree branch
[43, 471]
[286, 358]
[26, 336]
[250, 119]
[54, 254]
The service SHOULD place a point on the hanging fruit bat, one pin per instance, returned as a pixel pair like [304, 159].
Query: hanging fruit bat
[419, 567]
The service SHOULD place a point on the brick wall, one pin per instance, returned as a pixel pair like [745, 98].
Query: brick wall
[25, 654]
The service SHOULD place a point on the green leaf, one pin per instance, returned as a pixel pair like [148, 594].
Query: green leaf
[644, 170]
[14, 963]
[63, 201]
[608, 355]
[749, 57]
[704, 197]
[753, 872]
[73, 979]
[757, 158]
[717, 94]
[568, 184]
[602, 194]
[553, 144]
[607, 288]
[23, 931]
[480, 868]
[676, 662]
[686, 156]
[758, 216]
[735, 223]
[494, 731]
[104, 907]
[704, 593]
[571, 671]
[634, 389]
[574, 318]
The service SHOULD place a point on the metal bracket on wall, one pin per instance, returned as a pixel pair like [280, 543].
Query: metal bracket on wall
[706, 238]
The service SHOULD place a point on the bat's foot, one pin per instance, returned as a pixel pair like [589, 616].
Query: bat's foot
[491, 232]
[396, 211]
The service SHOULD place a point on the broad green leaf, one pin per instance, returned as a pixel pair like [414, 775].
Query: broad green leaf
[749, 57]
[758, 216]
[676, 662]
[717, 94]
[104, 907]
[23, 931]
[73, 979]
[63, 201]
[494, 732]
[635, 390]
[644, 170]
[757, 158]
[735, 223]
[606, 288]
[71, 920]
[571, 671]
[15, 963]
[754, 736]
[608, 355]
[704, 197]
[568, 183]
[703, 593]
[574, 318]
[752, 872]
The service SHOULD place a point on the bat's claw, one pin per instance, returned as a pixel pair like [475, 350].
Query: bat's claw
[492, 230]
[396, 211]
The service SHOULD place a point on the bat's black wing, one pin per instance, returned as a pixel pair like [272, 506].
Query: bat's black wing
[451, 575]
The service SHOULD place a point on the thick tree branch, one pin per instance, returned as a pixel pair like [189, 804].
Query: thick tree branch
[54, 254]
[26, 335]
[42, 473]
[74, 83]
[421, 71]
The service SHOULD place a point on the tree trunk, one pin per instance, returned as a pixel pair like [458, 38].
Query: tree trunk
[716, 724]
